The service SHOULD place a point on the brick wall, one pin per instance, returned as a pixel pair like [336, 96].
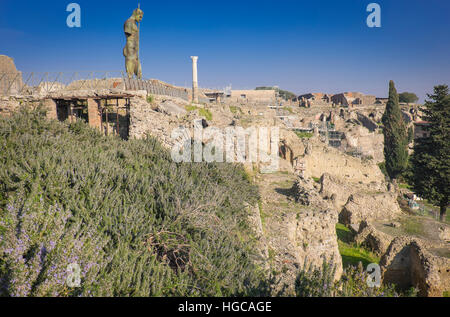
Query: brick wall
[94, 115]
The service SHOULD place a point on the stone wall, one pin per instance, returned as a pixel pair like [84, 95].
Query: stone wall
[408, 264]
[369, 206]
[315, 230]
[10, 78]
[252, 96]
[373, 239]
[323, 158]
[155, 120]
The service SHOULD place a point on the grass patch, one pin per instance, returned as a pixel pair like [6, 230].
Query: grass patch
[245, 122]
[350, 252]
[191, 108]
[404, 186]
[201, 111]
[343, 233]
[205, 113]
[262, 213]
[412, 226]
[284, 184]
[288, 109]
[235, 110]
[304, 135]
[316, 179]
[429, 205]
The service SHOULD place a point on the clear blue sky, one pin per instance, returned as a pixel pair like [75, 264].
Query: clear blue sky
[302, 46]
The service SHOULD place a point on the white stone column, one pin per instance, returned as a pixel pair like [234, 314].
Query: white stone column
[194, 79]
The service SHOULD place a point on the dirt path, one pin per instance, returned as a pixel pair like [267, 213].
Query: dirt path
[425, 228]
[279, 218]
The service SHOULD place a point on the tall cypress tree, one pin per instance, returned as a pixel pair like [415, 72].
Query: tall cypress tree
[395, 136]
[431, 158]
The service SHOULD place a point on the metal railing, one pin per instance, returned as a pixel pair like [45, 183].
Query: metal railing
[24, 83]
[44, 83]
[156, 87]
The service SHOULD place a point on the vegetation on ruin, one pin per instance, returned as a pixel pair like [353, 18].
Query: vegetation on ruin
[304, 135]
[136, 223]
[316, 179]
[395, 136]
[201, 111]
[288, 109]
[430, 161]
[191, 108]
[150, 99]
[235, 110]
[205, 113]
[286, 95]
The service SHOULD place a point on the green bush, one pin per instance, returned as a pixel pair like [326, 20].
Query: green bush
[235, 110]
[135, 222]
[201, 111]
[304, 135]
[205, 113]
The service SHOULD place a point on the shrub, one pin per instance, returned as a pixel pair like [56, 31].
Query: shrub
[205, 113]
[150, 99]
[319, 282]
[135, 222]
[191, 108]
[304, 135]
[201, 111]
[235, 110]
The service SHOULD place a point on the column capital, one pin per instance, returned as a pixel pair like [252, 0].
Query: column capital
[194, 58]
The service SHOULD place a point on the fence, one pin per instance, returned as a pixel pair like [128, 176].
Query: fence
[156, 87]
[43, 83]
[38, 83]
[423, 210]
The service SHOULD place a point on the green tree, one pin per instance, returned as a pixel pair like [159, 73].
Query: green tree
[286, 95]
[408, 97]
[431, 158]
[395, 136]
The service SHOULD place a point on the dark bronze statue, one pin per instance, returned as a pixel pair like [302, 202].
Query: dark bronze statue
[131, 50]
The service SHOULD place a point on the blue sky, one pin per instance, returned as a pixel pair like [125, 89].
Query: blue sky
[302, 46]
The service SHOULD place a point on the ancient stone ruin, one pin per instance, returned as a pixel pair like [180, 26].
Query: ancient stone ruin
[10, 77]
[408, 264]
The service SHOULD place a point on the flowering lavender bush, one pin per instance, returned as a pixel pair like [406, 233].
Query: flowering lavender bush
[38, 243]
[136, 223]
